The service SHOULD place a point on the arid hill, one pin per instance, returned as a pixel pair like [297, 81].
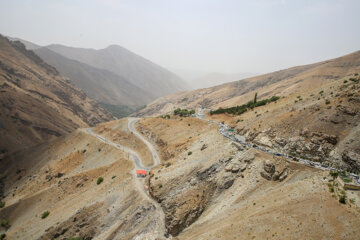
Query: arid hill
[37, 104]
[208, 188]
[283, 83]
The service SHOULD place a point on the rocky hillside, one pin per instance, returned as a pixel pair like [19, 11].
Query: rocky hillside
[37, 104]
[208, 188]
[283, 83]
[211, 188]
[319, 124]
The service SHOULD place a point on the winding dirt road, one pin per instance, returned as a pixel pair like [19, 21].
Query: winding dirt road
[140, 184]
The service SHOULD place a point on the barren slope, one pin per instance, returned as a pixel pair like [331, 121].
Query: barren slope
[218, 192]
[61, 177]
[284, 82]
[36, 103]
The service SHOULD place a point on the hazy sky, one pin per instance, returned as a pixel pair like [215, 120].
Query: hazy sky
[226, 36]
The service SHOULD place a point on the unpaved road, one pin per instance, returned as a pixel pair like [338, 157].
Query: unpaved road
[140, 184]
[131, 126]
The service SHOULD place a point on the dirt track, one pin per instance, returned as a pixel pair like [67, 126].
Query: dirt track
[140, 184]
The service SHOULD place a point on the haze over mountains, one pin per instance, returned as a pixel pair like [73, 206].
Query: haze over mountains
[117, 78]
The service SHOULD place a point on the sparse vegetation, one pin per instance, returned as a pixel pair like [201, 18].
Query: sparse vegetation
[45, 214]
[347, 180]
[4, 223]
[2, 204]
[342, 199]
[238, 110]
[75, 238]
[334, 174]
[183, 112]
[99, 180]
[168, 164]
[167, 116]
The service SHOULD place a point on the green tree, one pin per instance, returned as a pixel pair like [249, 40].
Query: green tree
[255, 98]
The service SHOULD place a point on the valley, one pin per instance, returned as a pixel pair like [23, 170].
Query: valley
[275, 156]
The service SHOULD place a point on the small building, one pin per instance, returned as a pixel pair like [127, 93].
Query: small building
[141, 173]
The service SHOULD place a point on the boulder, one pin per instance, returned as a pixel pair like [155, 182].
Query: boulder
[269, 167]
[275, 170]
[352, 159]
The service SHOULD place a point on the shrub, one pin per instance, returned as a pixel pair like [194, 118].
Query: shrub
[99, 180]
[4, 223]
[345, 81]
[84, 151]
[45, 214]
[356, 74]
[2, 236]
[352, 200]
[331, 189]
[75, 238]
[327, 101]
[321, 92]
[160, 185]
[183, 112]
[334, 174]
[342, 199]
[347, 180]
[99, 150]
[113, 177]
[189, 153]
[2, 204]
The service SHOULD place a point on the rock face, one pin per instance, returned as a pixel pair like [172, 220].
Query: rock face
[275, 170]
[186, 204]
[352, 159]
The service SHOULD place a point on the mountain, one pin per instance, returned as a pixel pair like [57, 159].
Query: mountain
[197, 80]
[28, 45]
[314, 115]
[283, 82]
[37, 104]
[99, 84]
[150, 77]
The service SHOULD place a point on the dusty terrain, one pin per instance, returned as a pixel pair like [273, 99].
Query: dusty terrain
[218, 192]
[321, 124]
[37, 104]
[283, 83]
[118, 132]
[61, 177]
[207, 187]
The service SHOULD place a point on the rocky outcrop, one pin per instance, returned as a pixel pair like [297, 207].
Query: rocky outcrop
[352, 159]
[184, 203]
[275, 170]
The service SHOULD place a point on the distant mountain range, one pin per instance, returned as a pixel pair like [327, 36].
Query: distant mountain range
[114, 76]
